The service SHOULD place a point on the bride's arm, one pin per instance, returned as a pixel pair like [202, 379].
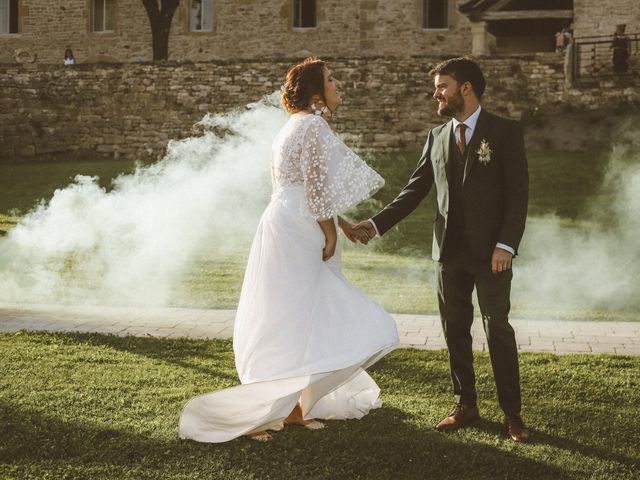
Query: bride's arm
[273, 173]
[328, 227]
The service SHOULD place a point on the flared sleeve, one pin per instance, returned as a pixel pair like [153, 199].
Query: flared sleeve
[335, 178]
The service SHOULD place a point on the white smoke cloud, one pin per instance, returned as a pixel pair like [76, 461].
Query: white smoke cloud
[133, 244]
[594, 263]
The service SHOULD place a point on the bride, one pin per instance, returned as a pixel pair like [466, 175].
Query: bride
[303, 334]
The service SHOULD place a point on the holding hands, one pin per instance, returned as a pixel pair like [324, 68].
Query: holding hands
[366, 231]
[361, 232]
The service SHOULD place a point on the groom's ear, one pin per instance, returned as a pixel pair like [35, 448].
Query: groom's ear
[466, 88]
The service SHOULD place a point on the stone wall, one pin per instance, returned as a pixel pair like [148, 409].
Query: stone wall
[251, 29]
[256, 29]
[49, 27]
[598, 17]
[245, 29]
[132, 110]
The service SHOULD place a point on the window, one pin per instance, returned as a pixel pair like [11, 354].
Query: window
[304, 13]
[434, 14]
[201, 16]
[8, 16]
[104, 15]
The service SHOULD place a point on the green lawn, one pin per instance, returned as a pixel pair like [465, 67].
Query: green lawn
[401, 283]
[89, 406]
[23, 185]
[7, 222]
[408, 286]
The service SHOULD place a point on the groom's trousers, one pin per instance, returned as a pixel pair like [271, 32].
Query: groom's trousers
[457, 276]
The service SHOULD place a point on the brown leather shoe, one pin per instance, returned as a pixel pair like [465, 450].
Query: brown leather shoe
[460, 416]
[516, 430]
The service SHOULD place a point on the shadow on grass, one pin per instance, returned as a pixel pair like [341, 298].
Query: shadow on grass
[561, 443]
[384, 445]
[429, 373]
[205, 356]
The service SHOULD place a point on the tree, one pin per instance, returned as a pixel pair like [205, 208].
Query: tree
[160, 14]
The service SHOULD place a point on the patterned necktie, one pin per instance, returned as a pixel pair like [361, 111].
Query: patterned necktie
[462, 139]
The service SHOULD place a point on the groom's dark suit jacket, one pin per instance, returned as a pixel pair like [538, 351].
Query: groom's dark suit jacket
[494, 195]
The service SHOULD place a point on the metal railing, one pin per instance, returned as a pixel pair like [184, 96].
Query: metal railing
[593, 57]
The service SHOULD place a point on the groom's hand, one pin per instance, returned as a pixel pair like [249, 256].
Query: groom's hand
[366, 231]
[500, 260]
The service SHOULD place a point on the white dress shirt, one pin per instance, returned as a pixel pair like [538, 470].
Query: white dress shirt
[470, 123]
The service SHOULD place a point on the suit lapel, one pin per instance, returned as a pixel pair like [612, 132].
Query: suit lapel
[445, 139]
[480, 133]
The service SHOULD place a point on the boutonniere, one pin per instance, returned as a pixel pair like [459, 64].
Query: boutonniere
[484, 152]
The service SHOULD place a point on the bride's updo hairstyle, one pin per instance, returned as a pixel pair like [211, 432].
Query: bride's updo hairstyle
[302, 82]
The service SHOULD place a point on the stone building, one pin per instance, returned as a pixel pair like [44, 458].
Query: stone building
[224, 54]
[205, 30]
[598, 17]
[516, 26]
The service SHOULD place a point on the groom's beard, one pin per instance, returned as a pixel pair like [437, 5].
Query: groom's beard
[452, 106]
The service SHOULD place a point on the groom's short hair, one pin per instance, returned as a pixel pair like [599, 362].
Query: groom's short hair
[462, 69]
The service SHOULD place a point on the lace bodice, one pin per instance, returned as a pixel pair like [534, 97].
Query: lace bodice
[306, 152]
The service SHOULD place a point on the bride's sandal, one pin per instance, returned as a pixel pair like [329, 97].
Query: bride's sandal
[296, 418]
[263, 436]
[310, 424]
[314, 425]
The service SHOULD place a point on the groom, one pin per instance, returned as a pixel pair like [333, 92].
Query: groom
[477, 163]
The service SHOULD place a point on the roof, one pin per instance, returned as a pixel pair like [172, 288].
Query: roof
[496, 10]
[473, 6]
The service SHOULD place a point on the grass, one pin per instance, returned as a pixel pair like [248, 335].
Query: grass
[409, 284]
[401, 283]
[76, 406]
[23, 185]
[7, 222]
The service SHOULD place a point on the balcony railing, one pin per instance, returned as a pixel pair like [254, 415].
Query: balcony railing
[593, 57]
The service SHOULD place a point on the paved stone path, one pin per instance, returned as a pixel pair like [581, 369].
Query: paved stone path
[416, 331]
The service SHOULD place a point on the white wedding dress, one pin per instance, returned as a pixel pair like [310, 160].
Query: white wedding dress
[303, 333]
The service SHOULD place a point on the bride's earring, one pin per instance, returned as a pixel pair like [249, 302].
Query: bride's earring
[318, 111]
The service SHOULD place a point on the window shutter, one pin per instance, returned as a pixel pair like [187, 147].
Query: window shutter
[110, 15]
[434, 14]
[207, 15]
[194, 12]
[4, 16]
[304, 13]
[309, 13]
[13, 17]
[98, 15]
